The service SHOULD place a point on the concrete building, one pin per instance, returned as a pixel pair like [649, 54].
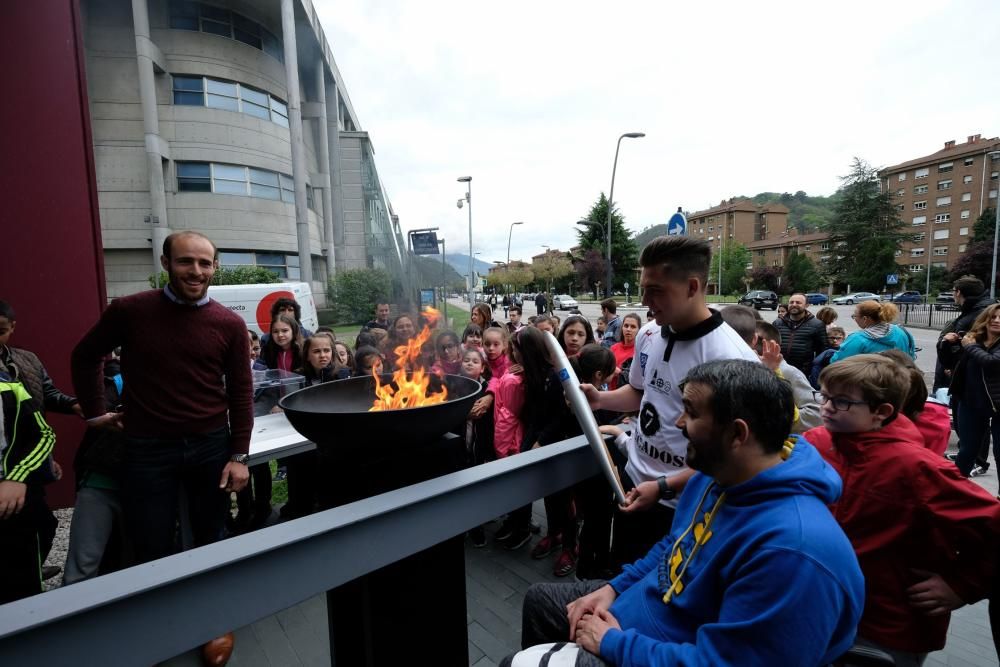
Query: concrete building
[739, 220]
[230, 118]
[940, 196]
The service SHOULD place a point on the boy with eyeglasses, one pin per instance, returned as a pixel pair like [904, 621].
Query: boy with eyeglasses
[925, 536]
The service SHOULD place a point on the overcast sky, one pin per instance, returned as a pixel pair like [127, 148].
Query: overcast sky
[735, 98]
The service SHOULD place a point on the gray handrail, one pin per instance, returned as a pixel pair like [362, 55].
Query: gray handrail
[153, 611]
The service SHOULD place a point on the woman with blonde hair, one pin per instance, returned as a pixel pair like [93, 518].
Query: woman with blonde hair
[975, 389]
[877, 334]
[827, 316]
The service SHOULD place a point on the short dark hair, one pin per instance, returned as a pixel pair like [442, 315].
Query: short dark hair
[253, 335]
[742, 319]
[969, 286]
[593, 358]
[168, 243]
[743, 389]
[6, 310]
[610, 305]
[679, 257]
[365, 339]
[285, 302]
[514, 309]
[768, 331]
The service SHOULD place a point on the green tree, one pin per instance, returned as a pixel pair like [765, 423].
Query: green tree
[985, 226]
[624, 255]
[549, 268]
[799, 274]
[865, 232]
[354, 293]
[735, 258]
[765, 277]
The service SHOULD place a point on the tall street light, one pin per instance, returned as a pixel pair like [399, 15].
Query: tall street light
[468, 199]
[509, 234]
[611, 202]
[444, 281]
[996, 233]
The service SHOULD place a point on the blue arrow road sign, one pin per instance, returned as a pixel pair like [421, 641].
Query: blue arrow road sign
[677, 225]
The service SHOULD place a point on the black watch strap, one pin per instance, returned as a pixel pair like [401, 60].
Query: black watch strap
[666, 493]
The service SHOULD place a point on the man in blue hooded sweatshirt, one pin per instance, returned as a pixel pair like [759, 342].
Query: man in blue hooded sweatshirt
[754, 571]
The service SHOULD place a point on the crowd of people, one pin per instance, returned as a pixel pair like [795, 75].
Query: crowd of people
[815, 459]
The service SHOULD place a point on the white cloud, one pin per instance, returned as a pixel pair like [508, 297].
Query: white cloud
[735, 98]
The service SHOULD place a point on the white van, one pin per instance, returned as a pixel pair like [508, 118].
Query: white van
[253, 302]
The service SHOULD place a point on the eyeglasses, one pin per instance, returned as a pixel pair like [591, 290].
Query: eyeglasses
[839, 404]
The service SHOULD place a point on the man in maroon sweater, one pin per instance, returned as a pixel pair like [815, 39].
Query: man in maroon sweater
[188, 406]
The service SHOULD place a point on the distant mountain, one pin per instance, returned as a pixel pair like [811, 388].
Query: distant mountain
[461, 263]
[648, 234]
[429, 271]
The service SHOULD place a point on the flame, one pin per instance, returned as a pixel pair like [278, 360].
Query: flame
[411, 387]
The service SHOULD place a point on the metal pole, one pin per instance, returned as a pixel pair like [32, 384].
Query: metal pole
[611, 203]
[611, 200]
[930, 241]
[509, 235]
[996, 232]
[472, 274]
[444, 282]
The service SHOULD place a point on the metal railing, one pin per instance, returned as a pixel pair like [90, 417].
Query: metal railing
[157, 610]
[931, 316]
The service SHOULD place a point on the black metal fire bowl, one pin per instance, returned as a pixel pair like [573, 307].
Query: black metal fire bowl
[335, 415]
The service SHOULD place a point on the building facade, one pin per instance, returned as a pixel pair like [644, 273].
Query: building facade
[940, 196]
[230, 118]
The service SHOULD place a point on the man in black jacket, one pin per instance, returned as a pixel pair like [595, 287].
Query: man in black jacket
[803, 337]
[972, 298]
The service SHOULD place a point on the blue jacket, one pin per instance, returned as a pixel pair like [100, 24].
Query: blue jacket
[859, 342]
[774, 581]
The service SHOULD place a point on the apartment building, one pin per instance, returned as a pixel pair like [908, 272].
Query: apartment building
[739, 220]
[940, 196]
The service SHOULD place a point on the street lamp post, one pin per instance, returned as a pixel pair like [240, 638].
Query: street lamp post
[611, 202]
[509, 235]
[996, 234]
[444, 281]
[468, 199]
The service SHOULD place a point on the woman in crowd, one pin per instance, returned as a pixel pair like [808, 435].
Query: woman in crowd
[495, 349]
[574, 334]
[782, 310]
[343, 356]
[975, 388]
[482, 315]
[877, 334]
[283, 349]
[625, 349]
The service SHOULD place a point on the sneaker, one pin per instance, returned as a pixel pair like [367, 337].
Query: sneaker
[478, 537]
[506, 530]
[535, 527]
[951, 457]
[977, 470]
[565, 564]
[517, 539]
[547, 545]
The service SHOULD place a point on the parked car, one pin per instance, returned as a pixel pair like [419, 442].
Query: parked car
[910, 296]
[760, 299]
[816, 299]
[945, 301]
[564, 302]
[856, 297]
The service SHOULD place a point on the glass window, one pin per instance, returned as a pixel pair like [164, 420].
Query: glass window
[255, 96]
[942, 217]
[287, 188]
[272, 45]
[920, 190]
[191, 83]
[967, 179]
[941, 234]
[944, 185]
[229, 172]
[965, 215]
[945, 166]
[189, 99]
[902, 177]
[270, 259]
[184, 15]
[918, 237]
[966, 196]
[280, 109]
[293, 260]
[222, 102]
[194, 177]
[236, 258]
[963, 231]
[919, 205]
[264, 192]
[968, 161]
[255, 110]
[225, 187]
[263, 177]
[215, 13]
[921, 173]
[187, 91]
[920, 220]
[943, 201]
[247, 38]
[220, 87]
[216, 28]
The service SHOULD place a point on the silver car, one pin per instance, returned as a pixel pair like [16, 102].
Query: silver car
[564, 302]
[856, 297]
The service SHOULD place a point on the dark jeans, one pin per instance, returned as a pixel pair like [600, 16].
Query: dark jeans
[155, 471]
[20, 559]
[974, 430]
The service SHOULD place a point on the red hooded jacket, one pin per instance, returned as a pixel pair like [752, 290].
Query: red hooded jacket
[904, 508]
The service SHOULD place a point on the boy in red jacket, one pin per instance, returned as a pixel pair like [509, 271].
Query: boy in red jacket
[925, 536]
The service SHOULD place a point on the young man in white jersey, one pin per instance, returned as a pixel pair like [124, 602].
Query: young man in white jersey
[685, 333]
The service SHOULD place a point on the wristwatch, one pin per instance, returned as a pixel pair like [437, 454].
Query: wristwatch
[240, 458]
[666, 493]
